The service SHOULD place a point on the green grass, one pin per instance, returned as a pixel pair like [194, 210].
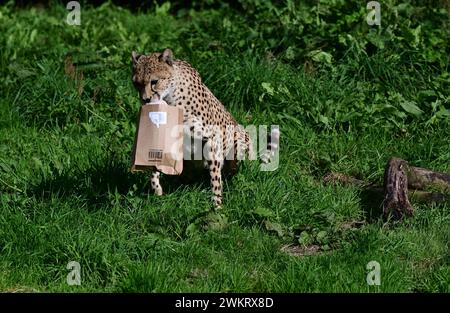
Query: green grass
[67, 193]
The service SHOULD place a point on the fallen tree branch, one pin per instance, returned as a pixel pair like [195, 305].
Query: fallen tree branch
[419, 178]
[401, 183]
[416, 195]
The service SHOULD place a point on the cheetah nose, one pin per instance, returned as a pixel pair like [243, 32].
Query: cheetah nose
[146, 100]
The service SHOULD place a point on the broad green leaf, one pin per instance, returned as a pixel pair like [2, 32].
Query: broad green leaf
[305, 238]
[263, 212]
[321, 56]
[268, 88]
[411, 107]
[276, 227]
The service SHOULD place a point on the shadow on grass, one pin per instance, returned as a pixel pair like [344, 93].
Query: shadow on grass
[96, 183]
[92, 184]
[371, 203]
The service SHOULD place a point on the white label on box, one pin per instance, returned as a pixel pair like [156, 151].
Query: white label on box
[158, 118]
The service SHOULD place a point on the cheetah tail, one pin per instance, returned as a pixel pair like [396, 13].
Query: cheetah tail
[273, 146]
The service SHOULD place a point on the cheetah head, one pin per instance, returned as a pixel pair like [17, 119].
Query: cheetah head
[153, 76]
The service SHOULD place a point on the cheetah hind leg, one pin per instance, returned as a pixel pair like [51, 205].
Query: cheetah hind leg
[155, 184]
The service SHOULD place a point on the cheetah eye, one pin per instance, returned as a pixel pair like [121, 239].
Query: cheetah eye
[154, 82]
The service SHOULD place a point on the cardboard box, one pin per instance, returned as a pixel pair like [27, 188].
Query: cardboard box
[159, 139]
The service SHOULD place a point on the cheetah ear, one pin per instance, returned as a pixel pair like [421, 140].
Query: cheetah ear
[167, 56]
[135, 57]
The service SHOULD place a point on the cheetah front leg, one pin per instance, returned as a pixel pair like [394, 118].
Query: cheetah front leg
[154, 183]
[215, 164]
[215, 171]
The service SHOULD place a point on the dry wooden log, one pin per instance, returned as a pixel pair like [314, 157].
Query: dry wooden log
[401, 183]
[419, 178]
[396, 189]
[416, 195]
[333, 177]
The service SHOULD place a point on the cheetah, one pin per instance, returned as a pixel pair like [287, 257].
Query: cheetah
[158, 76]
